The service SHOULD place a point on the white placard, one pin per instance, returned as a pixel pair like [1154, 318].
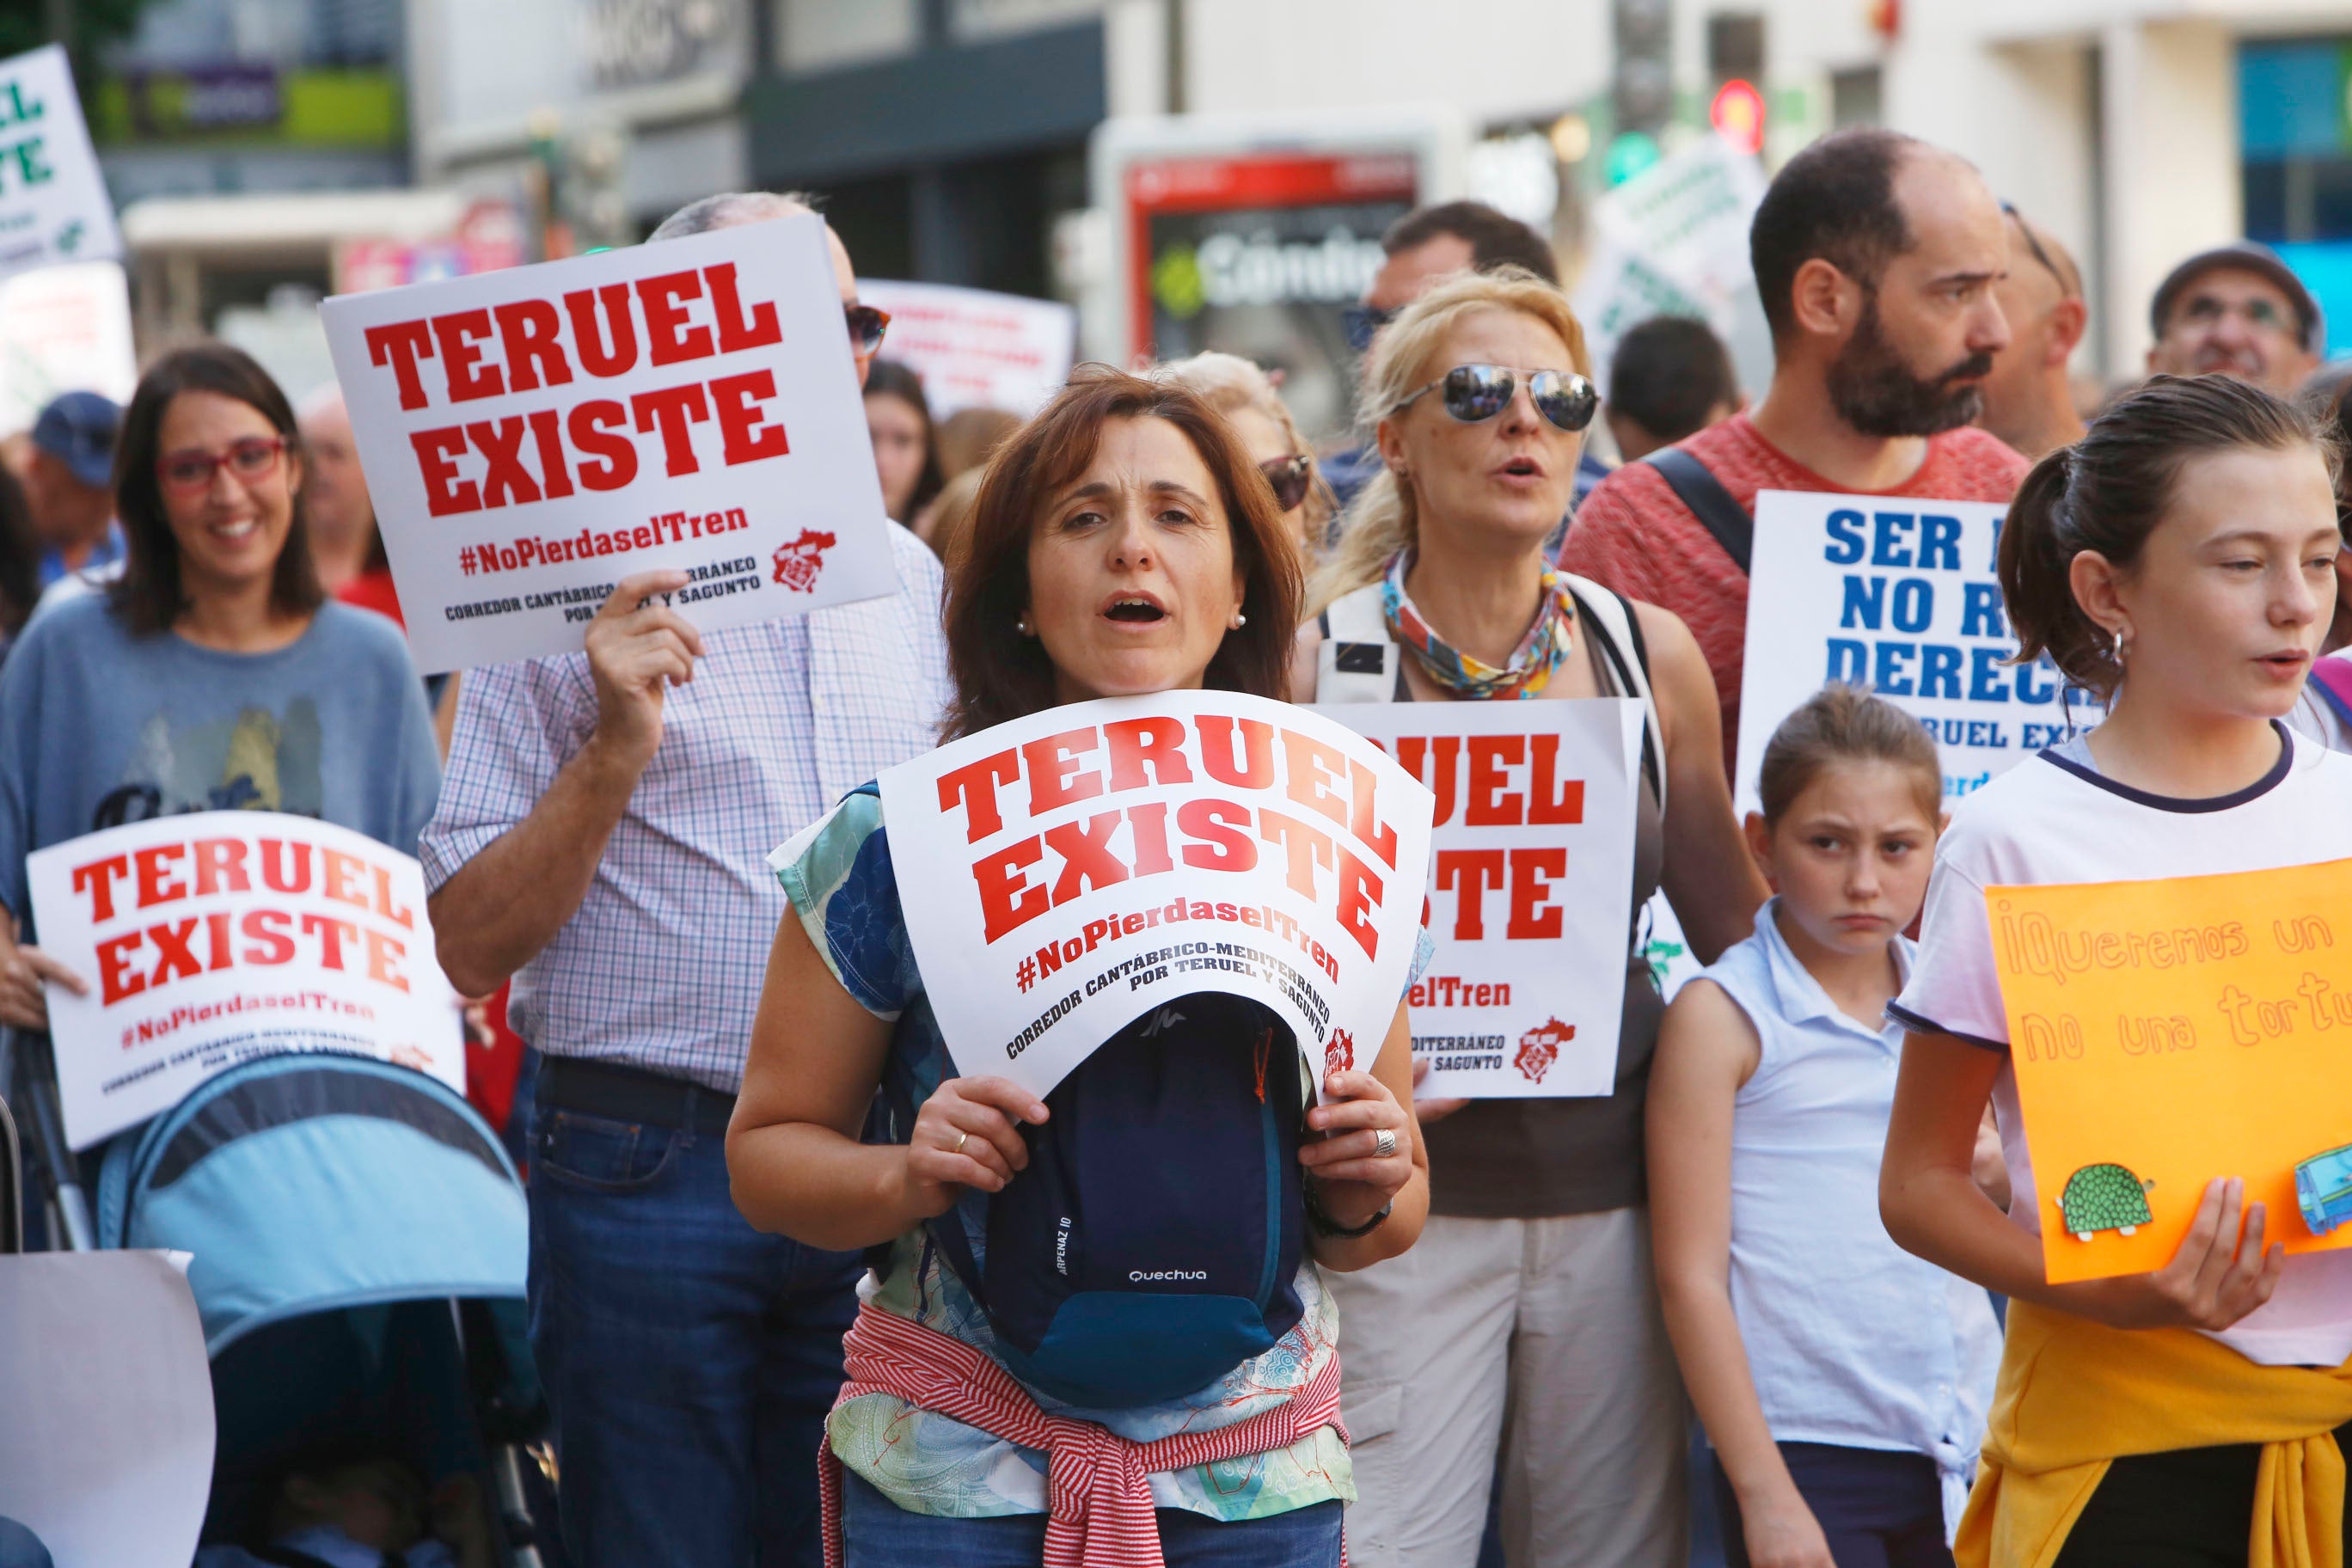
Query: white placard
[1530, 891]
[1671, 241]
[1064, 873]
[211, 938]
[975, 349]
[63, 329]
[1899, 596]
[107, 1454]
[533, 436]
[53, 201]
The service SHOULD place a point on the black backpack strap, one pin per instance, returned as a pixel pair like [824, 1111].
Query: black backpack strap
[1699, 490]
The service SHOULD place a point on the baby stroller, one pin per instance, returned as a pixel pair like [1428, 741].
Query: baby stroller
[359, 1243]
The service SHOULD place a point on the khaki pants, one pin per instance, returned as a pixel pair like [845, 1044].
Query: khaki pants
[1542, 1336]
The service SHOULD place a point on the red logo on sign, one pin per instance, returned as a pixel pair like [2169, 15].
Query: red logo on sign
[798, 563]
[1540, 1047]
[1340, 1056]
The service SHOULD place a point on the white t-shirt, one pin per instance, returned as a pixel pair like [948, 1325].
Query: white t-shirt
[2055, 819]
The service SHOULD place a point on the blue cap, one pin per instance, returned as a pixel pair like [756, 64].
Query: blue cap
[78, 428]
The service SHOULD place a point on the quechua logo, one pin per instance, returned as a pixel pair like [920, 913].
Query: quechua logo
[1539, 1049]
[798, 563]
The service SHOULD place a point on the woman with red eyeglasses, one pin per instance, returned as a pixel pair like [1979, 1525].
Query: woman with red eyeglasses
[1246, 397]
[1530, 1299]
[214, 675]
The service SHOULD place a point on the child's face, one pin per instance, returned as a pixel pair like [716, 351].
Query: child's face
[378, 1503]
[1850, 857]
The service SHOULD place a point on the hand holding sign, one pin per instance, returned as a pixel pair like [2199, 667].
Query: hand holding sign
[2220, 1274]
[24, 971]
[636, 646]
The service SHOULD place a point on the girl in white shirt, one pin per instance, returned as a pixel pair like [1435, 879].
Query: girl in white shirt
[1842, 1382]
[2179, 560]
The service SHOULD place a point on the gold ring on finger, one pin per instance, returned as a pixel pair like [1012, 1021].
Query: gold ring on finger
[962, 1139]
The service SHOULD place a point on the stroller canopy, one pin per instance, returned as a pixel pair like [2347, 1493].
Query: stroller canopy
[309, 1183]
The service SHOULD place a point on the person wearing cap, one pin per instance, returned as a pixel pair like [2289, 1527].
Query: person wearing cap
[2237, 309]
[69, 482]
[2028, 402]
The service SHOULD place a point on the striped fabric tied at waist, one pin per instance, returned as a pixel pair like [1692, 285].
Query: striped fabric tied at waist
[1097, 1492]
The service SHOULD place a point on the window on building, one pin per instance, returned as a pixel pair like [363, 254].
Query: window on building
[1856, 97]
[2295, 142]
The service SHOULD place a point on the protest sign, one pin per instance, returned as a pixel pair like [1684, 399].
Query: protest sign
[1671, 241]
[533, 436]
[63, 329]
[974, 349]
[1064, 873]
[1901, 597]
[53, 202]
[1531, 884]
[2165, 1033]
[211, 938]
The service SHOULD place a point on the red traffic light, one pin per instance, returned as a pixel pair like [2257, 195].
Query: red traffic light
[1738, 115]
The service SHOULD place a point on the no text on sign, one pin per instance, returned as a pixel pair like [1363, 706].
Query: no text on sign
[532, 436]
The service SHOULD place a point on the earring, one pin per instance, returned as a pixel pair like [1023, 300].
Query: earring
[1021, 624]
[1240, 620]
[2123, 642]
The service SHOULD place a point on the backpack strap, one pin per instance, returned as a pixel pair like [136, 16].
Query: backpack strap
[1616, 627]
[2332, 677]
[1358, 661]
[1698, 488]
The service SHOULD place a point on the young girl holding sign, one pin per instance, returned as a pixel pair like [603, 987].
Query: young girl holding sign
[1123, 545]
[1842, 1382]
[2179, 560]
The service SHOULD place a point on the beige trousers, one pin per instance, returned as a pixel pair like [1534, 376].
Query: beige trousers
[1542, 1337]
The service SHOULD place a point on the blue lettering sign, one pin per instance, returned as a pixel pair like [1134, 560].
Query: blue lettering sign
[1890, 541]
[1915, 604]
[1844, 547]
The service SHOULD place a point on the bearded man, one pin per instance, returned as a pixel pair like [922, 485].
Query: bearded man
[1877, 257]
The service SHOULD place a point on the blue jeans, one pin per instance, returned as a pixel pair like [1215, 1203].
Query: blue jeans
[877, 1533]
[689, 1360]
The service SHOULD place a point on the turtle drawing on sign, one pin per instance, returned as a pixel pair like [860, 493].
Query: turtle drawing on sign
[2103, 1197]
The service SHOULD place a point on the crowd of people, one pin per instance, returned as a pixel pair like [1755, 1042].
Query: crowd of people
[775, 1297]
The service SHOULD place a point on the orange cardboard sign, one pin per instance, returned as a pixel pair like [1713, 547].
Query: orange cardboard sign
[2166, 1032]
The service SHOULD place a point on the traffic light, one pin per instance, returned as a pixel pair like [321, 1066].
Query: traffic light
[1642, 90]
[1735, 62]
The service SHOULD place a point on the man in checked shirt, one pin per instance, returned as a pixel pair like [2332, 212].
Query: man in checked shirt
[601, 835]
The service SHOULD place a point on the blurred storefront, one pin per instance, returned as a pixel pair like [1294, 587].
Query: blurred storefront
[216, 96]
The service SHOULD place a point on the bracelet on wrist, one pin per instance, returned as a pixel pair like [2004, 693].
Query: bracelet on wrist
[1323, 1224]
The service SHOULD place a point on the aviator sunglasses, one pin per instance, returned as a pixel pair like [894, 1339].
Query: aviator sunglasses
[866, 325]
[1290, 477]
[1474, 393]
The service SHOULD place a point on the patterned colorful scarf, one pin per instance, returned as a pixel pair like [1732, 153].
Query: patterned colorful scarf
[1549, 641]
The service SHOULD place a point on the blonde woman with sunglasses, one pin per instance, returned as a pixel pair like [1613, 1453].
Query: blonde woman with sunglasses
[1250, 402]
[1531, 1294]
[214, 675]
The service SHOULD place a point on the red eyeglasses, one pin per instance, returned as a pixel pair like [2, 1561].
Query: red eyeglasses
[189, 472]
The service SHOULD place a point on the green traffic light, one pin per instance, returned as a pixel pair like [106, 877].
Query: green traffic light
[1629, 153]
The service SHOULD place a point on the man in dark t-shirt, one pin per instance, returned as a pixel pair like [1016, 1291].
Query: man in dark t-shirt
[1875, 255]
